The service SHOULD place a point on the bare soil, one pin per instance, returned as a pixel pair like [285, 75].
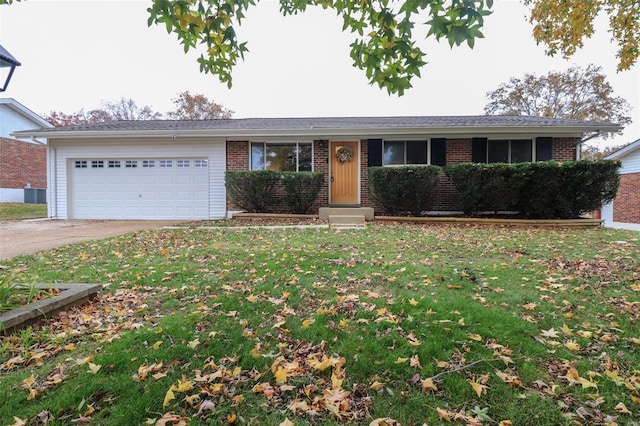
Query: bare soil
[18, 237]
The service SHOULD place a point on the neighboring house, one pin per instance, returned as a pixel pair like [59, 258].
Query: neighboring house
[176, 169]
[624, 210]
[22, 163]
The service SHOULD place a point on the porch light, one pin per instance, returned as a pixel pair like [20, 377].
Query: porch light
[7, 65]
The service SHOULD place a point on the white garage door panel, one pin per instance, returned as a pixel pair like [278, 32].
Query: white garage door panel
[138, 192]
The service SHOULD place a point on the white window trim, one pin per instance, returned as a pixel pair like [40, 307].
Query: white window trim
[282, 142]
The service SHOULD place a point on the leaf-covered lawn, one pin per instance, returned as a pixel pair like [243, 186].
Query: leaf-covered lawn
[394, 324]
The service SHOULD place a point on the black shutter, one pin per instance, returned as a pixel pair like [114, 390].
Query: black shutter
[543, 149]
[374, 147]
[479, 150]
[439, 151]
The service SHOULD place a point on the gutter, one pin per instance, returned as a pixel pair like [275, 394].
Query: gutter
[315, 132]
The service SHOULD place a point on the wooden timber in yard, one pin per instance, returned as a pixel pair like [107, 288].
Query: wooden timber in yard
[561, 223]
[69, 295]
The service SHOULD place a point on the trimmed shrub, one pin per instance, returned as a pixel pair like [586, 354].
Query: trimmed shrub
[405, 190]
[301, 189]
[254, 191]
[566, 190]
[484, 187]
[542, 190]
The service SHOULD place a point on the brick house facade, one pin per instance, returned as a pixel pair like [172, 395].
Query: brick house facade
[175, 169]
[457, 151]
[22, 164]
[624, 211]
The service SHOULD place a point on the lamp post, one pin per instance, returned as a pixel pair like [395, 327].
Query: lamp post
[9, 62]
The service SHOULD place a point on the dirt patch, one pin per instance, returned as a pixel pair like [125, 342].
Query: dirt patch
[30, 236]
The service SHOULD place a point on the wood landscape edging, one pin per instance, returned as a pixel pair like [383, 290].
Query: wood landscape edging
[70, 295]
[561, 223]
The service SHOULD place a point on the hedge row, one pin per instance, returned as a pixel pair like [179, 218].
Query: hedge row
[268, 191]
[546, 190]
[537, 190]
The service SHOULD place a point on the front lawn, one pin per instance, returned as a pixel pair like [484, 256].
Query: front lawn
[417, 324]
[12, 211]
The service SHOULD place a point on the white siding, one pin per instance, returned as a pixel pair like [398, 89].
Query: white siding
[64, 151]
[630, 162]
[12, 121]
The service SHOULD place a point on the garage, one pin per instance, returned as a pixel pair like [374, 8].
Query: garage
[149, 178]
[139, 188]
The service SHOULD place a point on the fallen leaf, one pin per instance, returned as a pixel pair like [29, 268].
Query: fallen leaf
[94, 368]
[384, 422]
[85, 360]
[551, 333]
[622, 409]
[443, 414]
[18, 422]
[169, 396]
[479, 388]
[428, 386]
[207, 405]
[286, 422]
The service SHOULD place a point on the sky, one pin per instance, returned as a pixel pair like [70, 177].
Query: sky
[82, 53]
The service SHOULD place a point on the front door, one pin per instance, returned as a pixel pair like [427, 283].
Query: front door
[345, 161]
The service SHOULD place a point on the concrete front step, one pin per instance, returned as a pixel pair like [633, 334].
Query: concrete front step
[325, 212]
[346, 220]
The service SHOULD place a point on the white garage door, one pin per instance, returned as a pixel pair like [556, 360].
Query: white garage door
[167, 188]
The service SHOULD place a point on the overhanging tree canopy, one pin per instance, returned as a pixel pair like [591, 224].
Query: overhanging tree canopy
[385, 46]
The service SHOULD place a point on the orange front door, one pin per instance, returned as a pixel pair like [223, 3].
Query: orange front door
[345, 160]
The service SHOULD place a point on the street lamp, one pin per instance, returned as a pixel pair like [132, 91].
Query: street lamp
[9, 62]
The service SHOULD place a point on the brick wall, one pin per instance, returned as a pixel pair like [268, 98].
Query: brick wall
[564, 149]
[237, 155]
[626, 206]
[22, 163]
[458, 151]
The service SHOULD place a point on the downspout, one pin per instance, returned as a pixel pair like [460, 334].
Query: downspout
[52, 189]
[52, 207]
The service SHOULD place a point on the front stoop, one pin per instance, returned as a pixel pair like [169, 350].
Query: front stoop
[325, 212]
[346, 221]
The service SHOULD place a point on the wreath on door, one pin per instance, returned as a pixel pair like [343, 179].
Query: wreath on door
[344, 154]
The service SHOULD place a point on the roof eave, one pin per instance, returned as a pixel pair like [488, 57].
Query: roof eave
[317, 132]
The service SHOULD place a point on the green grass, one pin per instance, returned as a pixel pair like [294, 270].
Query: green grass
[13, 211]
[543, 321]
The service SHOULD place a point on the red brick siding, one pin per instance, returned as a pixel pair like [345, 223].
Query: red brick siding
[626, 206]
[321, 165]
[458, 151]
[237, 155]
[564, 149]
[22, 163]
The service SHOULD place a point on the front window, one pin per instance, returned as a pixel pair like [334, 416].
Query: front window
[416, 152]
[282, 156]
[509, 151]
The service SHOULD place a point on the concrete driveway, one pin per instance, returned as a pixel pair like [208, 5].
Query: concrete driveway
[34, 235]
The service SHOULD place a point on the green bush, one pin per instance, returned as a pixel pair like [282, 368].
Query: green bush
[542, 190]
[484, 187]
[253, 191]
[566, 190]
[301, 189]
[406, 190]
